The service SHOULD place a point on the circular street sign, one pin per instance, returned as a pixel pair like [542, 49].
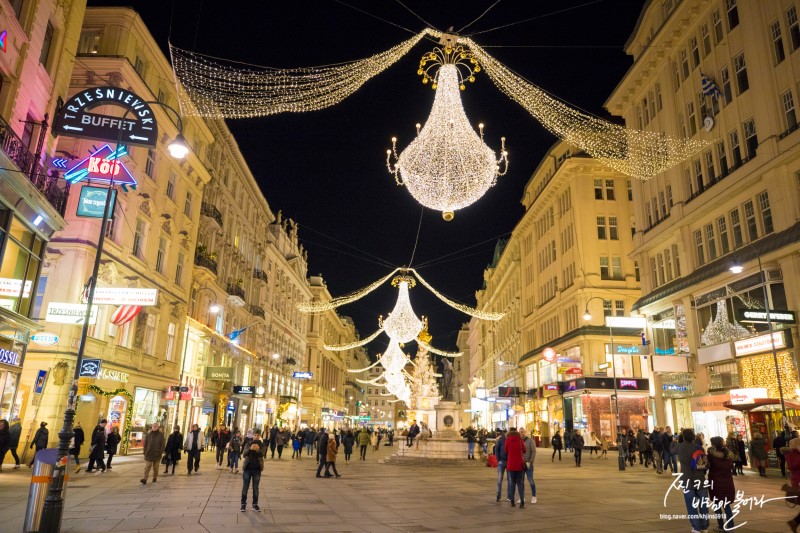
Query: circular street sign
[549, 354]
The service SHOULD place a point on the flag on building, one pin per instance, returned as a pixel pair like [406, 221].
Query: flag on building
[709, 87]
[233, 335]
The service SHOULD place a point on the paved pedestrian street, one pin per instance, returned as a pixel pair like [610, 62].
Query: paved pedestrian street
[380, 497]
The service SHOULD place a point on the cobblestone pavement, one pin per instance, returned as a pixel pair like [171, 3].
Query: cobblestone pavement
[380, 497]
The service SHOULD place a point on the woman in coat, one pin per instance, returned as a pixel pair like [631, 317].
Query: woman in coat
[281, 438]
[348, 440]
[513, 453]
[97, 445]
[758, 453]
[742, 459]
[330, 458]
[172, 451]
[112, 441]
[720, 474]
[373, 439]
[730, 443]
[40, 440]
[557, 445]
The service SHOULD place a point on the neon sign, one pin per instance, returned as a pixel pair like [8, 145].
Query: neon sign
[628, 384]
[102, 165]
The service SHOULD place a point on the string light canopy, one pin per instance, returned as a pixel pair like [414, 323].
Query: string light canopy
[448, 166]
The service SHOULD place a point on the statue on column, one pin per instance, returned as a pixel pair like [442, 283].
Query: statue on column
[447, 380]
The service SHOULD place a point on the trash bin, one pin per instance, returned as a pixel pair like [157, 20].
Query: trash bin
[43, 466]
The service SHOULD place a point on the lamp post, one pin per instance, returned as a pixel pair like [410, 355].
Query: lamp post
[587, 316]
[54, 503]
[738, 268]
[213, 308]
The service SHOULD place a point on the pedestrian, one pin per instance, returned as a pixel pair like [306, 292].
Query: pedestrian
[234, 451]
[641, 445]
[604, 445]
[311, 436]
[281, 438]
[322, 450]
[413, 431]
[483, 441]
[666, 451]
[472, 438]
[330, 458]
[792, 454]
[223, 438]
[273, 439]
[577, 445]
[297, 445]
[720, 476]
[194, 446]
[693, 480]
[154, 445]
[348, 439]
[213, 440]
[97, 447]
[557, 444]
[658, 447]
[499, 452]
[363, 442]
[529, 457]
[514, 453]
[172, 452]
[730, 443]
[253, 452]
[632, 447]
[373, 439]
[14, 433]
[112, 440]
[673, 454]
[40, 439]
[594, 445]
[741, 447]
[390, 434]
[758, 453]
[78, 438]
[5, 438]
[778, 443]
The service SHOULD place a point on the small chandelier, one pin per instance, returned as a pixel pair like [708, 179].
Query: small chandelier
[448, 166]
[402, 325]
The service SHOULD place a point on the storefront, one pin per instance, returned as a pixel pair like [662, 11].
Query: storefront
[712, 417]
[11, 355]
[590, 403]
[149, 407]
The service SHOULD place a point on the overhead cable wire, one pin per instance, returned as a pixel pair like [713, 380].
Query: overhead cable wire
[536, 17]
[479, 16]
[428, 24]
[374, 16]
[387, 263]
[416, 241]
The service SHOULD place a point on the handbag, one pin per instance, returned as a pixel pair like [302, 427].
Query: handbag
[165, 460]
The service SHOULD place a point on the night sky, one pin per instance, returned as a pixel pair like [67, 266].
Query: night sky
[327, 169]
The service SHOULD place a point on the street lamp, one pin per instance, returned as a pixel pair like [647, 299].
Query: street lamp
[54, 503]
[587, 316]
[738, 268]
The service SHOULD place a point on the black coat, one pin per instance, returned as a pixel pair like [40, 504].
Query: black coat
[174, 446]
[5, 438]
[79, 436]
[40, 439]
[98, 443]
[14, 433]
[112, 441]
[322, 449]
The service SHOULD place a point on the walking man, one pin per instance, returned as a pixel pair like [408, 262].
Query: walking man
[254, 452]
[577, 446]
[40, 440]
[223, 438]
[98, 446]
[154, 445]
[529, 457]
[363, 442]
[78, 437]
[14, 433]
[273, 439]
[501, 460]
[322, 450]
[194, 444]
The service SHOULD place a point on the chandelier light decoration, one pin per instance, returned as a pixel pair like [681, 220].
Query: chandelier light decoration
[448, 166]
[402, 325]
[719, 330]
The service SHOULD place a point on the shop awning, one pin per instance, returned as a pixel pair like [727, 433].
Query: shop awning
[762, 404]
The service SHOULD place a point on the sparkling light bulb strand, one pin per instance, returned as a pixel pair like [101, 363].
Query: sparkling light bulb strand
[356, 344]
[437, 351]
[357, 371]
[467, 310]
[321, 307]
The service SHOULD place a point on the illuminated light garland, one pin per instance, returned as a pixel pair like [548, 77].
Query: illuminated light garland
[431, 349]
[359, 370]
[719, 330]
[448, 166]
[467, 310]
[321, 307]
[402, 325]
[226, 90]
[125, 437]
[356, 344]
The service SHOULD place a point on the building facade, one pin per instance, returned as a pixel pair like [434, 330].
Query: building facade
[737, 202]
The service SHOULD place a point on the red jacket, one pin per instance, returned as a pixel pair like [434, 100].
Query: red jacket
[514, 450]
[793, 462]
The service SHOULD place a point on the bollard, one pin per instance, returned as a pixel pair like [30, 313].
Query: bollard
[43, 467]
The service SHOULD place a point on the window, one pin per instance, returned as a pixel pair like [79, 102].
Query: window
[149, 340]
[726, 85]
[677, 260]
[161, 255]
[646, 108]
[750, 220]
[698, 242]
[169, 352]
[659, 101]
[662, 200]
[689, 183]
[655, 208]
[736, 228]
[619, 307]
[661, 278]
[616, 267]
[706, 36]
[719, 31]
[669, 195]
[150, 164]
[605, 272]
[27, 130]
[171, 186]
[788, 110]
[187, 205]
[138, 66]
[653, 272]
[723, 159]
[607, 308]
[89, 42]
[47, 43]
[740, 68]
[138, 238]
[737, 153]
[629, 185]
[649, 213]
[702, 106]
[39, 299]
[636, 269]
[598, 189]
[750, 138]
[722, 229]
[601, 228]
[777, 41]
[668, 261]
[682, 125]
[612, 228]
[684, 65]
[179, 269]
[712, 175]
[16, 5]
[610, 190]
[711, 242]
[698, 176]
[652, 106]
[733, 14]
[639, 122]
[676, 75]
[766, 213]
[692, 121]
[695, 52]
[794, 27]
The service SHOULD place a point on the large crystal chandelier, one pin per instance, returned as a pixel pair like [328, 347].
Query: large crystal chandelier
[448, 166]
[719, 330]
[402, 325]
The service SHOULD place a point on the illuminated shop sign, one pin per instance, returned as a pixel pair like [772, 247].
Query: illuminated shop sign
[102, 165]
[123, 296]
[92, 202]
[629, 349]
[626, 322]
[220, 373]
[12, 287]
[760, 344]
[44, 338]
[65, 313]
[113, 375]
[303, 375]
[7, 357]
[549, 354]
[244, 389]
[673, 387]
[743, 396]
[759, 315]
[90, 368]
[665, 351]
[628, 384]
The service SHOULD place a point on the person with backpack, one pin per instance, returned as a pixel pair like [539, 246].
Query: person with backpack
[758, 453]
[720, 474]
[234, 450]
[557, 445]
[694, 464]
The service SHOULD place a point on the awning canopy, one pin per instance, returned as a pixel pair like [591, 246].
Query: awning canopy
[762, 404]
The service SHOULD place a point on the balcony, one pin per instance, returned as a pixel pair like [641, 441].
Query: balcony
[211, 211]
[257, 310]
[260, 275]
[13, 147]
[203, 259]
[236, 294]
